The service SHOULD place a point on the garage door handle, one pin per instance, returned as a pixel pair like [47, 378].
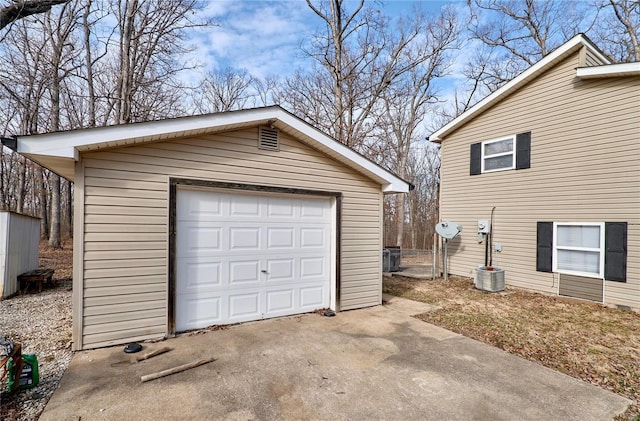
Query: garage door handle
[263, 271]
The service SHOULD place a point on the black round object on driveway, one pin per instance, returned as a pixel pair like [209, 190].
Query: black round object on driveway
[132, 348]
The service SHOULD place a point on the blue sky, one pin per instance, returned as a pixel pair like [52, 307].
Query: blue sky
[264, 37]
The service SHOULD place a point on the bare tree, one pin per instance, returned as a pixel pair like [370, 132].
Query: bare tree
[266, 89]
[63, 60]
[619, 29]
[225, 91]
[152, 35]
[405, 103]
[24, 83]
[508, 36]
[358, 55]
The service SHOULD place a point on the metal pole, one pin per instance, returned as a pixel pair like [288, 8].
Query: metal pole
[446, 264]
[434, 257]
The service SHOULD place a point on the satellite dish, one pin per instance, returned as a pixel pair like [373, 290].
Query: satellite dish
[448, 230]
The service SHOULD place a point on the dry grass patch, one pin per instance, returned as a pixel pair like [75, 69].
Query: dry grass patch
[588, 341]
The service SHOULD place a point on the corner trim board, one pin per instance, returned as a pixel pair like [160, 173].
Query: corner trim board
[78, 258]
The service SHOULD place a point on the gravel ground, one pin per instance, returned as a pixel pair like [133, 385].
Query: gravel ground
[41, 322]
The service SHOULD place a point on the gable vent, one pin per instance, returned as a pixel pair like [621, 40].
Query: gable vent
[268, 139]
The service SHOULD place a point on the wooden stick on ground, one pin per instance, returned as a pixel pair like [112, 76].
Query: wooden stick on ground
[175, 370]
[151, 354]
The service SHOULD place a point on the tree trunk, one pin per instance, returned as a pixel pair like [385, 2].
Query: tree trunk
[54, 233]
[125, 76]
[89, 65]
[22, 9]
[400, 220]
[43, 211]
[69, 206]
[2, 184]
[22, 180]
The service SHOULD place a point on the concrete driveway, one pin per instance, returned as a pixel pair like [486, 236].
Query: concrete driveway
[377, 363]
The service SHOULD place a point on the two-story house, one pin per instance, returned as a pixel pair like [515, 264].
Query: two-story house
[555, 154]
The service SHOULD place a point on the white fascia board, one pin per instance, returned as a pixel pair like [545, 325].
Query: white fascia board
[69, 144]
[565, 49]
[609, 70]
[390, 182]
[63, 143]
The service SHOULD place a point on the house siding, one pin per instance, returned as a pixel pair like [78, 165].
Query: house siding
[580, 287]
[125, 247]
[591, 59]
[571, 122]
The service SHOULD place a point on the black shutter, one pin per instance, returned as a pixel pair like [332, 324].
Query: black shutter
[544, 253]
[476, 159]
[615, 251]
[523, 151]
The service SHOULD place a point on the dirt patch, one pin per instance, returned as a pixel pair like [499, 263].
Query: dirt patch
[588, 341]
[61, 260]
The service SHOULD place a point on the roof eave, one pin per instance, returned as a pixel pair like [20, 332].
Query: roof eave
[609, 70]
[59, 151]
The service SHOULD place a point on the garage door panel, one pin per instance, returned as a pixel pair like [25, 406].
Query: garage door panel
[198, 206]
[243, 273]
[244, 306]
[309, 210]
[244, 238]
[199, 275]
[280, 270]
[198, 310]
[244, 206]
[314, 237]
[312, 267]
[280, 301]
[278, 208]
[250, 257]
[312, 297]
[196, 238]
[280, 238]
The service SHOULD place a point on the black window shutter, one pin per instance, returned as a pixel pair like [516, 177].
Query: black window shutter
[544, 253]
[615, 251]
[476, 159]
[523, 151]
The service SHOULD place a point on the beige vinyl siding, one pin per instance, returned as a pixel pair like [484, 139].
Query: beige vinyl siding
[571, 179]
[591, 59]
[580, 287]
[126, 215]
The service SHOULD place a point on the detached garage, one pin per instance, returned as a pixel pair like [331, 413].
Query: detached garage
[190, 222]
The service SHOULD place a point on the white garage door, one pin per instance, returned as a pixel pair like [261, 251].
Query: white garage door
[242, 257]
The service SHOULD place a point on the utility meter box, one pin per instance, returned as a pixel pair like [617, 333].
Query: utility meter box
[483, 226]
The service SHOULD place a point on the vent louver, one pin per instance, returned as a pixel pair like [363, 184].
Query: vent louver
[268, 139]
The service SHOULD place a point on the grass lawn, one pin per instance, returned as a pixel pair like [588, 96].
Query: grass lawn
[585, 340]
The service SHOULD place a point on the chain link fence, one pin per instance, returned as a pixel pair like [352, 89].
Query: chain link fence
[417, 263]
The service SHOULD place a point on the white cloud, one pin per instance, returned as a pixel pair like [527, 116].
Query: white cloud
[259, 36]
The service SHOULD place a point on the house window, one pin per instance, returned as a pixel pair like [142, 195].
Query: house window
[578, 248]
[498, 154]
[505, 153]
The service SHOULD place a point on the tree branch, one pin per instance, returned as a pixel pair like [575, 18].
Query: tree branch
[21, 9]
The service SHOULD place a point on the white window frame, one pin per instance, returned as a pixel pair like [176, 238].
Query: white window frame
[600, 274]
[512, 153]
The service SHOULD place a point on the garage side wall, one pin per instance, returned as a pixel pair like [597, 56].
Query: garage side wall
[126, 199]
[585, 167]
